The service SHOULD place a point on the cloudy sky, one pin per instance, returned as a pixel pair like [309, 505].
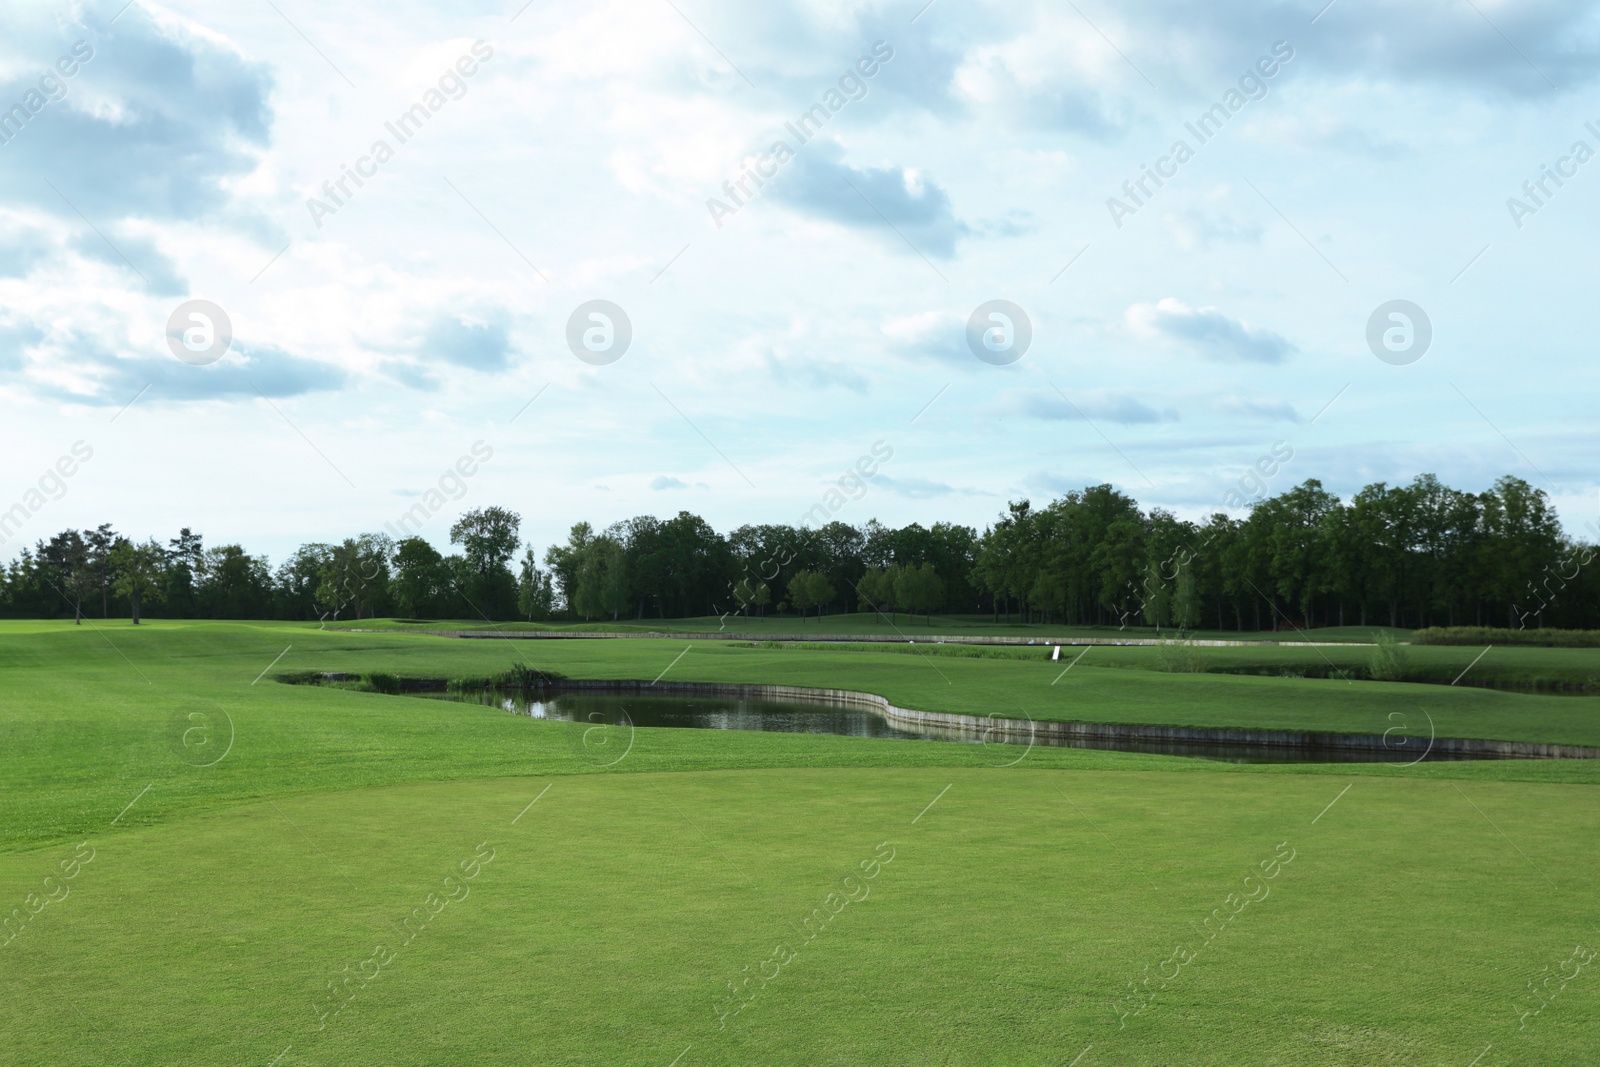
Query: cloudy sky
[788, 307]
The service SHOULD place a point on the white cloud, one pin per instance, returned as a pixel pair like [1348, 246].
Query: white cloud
[1207, 331]
[807, 327]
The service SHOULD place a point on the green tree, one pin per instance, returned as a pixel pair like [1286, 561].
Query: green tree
[1523, 540]
[355, 575]
[1010, 556]
[1155, 597]
[919, 589]
[66, 569]
[748, 593]
[564, 560]
[1049, 593]
[1299, 551]
[822, 592]
[744, 594]
[420, 582]
[298, 581]
[602, 586]
[136, 572]
[1383, 527]
[800, 592]
[535, 591]
[1186, 599]
[488, 538]
[185, 561]
[876, 590]
[235, 584]
[99, 542]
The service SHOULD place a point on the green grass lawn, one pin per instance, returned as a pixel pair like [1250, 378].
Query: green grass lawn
[910, 626]
[1020, 904]
[1553, 669]
[1507, 666]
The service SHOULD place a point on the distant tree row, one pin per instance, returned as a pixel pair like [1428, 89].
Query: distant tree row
[1414, 555]
[679, 567]
[1421, 554]
[100, 573]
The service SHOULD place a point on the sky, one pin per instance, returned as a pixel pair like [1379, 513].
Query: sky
[1198, 220]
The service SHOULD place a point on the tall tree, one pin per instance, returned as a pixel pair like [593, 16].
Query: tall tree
[66, 569]
[421, 583]
[488, 538]
[801, 596]
[186, 558]
[235, 584]
[822, 592]
[1186, 599]
[1525, 538]
[354, 576]
[878, 590]
[919, 589]
[535, 591]
[99, 542]
[602, 580]
[136, 572]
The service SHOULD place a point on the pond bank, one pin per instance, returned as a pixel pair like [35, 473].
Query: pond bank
[1051, 732]
[1022, 731]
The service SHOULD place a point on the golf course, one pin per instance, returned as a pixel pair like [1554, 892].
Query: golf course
[204, 864]
[800, 534]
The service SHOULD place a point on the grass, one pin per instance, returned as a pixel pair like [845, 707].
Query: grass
[618, 909]
[865, 623]
[1020, 903]
[96, 713]
[1541, 669]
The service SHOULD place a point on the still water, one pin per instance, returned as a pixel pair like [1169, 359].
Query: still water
[848, 720]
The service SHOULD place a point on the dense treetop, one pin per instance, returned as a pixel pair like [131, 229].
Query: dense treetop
[1409, 555]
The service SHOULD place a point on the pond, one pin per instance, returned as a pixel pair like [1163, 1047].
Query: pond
[696, 712]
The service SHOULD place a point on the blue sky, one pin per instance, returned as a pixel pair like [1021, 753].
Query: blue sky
[1176, 338]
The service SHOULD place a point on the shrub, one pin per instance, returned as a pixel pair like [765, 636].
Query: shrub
[1486, 635]
[1179, 657]
[379, 682]
[522, 676]
[1388, 660]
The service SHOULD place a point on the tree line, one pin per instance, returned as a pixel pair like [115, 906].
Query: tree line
[1415, 555]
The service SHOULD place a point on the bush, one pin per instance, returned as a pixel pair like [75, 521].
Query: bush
[522, 676]
[1388, 660]
[383, 683]
[1179, 657]
[1487, 635]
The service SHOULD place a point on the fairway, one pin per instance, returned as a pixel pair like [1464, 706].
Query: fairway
[364, 878]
